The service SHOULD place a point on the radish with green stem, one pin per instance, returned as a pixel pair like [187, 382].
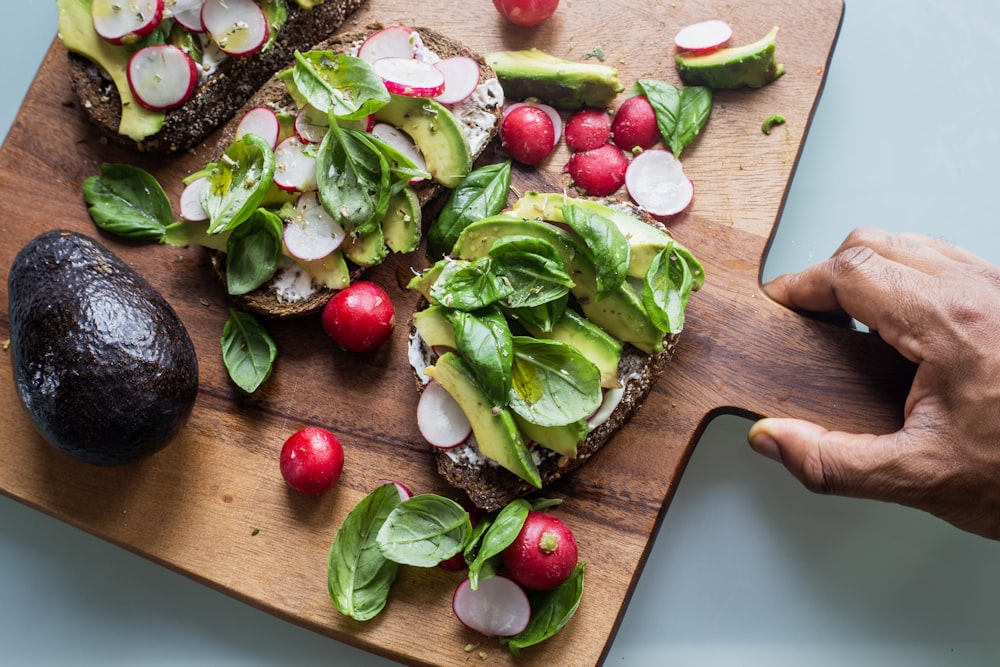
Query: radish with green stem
[655, 180]
[161, 77]
[544, 553]
[238, 27]
[120, 22]
[497, 607]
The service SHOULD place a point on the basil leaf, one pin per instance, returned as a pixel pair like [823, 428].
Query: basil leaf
[666, 291]
[337, 84]
[469, 285]
[247, 350]
[609, 249]
[696, 105]
[697, 270]
[253, 251]
[484, 341]
[424, 530]
[533, 268]
[665, 98]
[553, 383]
[543, 316]
[475, 540]
[481, 194]
[128, 201]
[358, 575]
[237, 183]
[501, 533]
[550, 612]
[353, 179]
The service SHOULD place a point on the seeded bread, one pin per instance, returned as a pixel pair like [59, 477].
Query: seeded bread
[215, 101]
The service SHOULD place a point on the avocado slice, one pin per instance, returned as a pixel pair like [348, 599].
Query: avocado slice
[595, 344]
[330, 272]
[564, 84]
[434, 328]
[752, 65]
[401, 224]
[365, 249]
[562, 440]
[437, 134]
[494, 427]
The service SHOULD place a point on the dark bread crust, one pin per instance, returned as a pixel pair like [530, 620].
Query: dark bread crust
[218, 99]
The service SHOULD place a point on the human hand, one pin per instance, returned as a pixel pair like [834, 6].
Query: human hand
[939, 306]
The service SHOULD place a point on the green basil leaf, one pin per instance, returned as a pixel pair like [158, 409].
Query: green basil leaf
[484, 341]
[695, 107]
[501, 533]
[253, 251]
[607, 244]
[353, 179]
[424, 530]
[697, 270]
[337, 84]
[128, 201]
[469, 285]
[542, 317]
[553, 383]
[534, 269]
[248, 351]
[237, 183]
[550, 612]
[475, 539]
[665, 98]
[358, 575]
[666, 290]
[481, 194]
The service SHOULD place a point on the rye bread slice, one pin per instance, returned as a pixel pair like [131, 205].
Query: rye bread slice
[490, 486]
[221, 95]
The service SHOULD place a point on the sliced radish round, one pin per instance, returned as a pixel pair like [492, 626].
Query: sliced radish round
[238, 27]
[440, 419]
[655, 180]
[261, 121]
[397, 41]
[161, 77]
[401, 141]
[409, 77]
[311, 233]
[294, 170]
[311, 125]
[118, 22]
[557, 122]
[498, 607]
[461, 77]
[190, 202]
[704, 36]
[187, 13]
[404, 491]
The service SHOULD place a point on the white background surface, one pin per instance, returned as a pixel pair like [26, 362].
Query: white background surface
[749, 568]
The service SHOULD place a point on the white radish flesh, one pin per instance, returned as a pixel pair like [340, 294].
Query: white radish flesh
[498, 607]
[190, 202]
[396, 41]
[294, 170]
[703, 36]
[238, 27]
[440, 418]
[118, 21]
[655, 180]
[550, 111]
[404, 491]
[161, 77]
[187, 13]
[409, 77]
[401, 141]
[311, 125]
[312, 233]
[261, 121]
[461, 78]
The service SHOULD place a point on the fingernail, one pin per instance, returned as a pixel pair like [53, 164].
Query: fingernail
[765, 445]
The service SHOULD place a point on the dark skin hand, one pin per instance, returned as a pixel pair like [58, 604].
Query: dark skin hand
[939, 306]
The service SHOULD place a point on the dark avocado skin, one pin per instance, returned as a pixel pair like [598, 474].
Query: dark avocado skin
[103, 365]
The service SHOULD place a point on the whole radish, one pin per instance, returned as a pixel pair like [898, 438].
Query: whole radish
[360, 317]
[634, 126]
[598, 172]
[311, 460]
[528, 134]
[587, 129]
[526, 13]
[543, 554]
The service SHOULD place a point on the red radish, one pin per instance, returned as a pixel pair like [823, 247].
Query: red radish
[360, 317]
[190, 202]
[187, 13]
[528, 134]
[656, 182]
[401, 141]
[634, 126]
[238, 27]
[543, 554]
[704, 36]
[461, 78]
[404, 491]
[588, 129]
[311, 125]
[294, 170]
[598, 172]
[311, 233]
[312, 460]
[397, 41]
[161, 77]
[261, 121]
[409, 77]
[119, 22]
[557, 123]
[440, 419]
[498, 607]
[526, 13]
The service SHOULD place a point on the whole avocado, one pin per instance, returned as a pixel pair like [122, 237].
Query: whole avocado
[103, 365]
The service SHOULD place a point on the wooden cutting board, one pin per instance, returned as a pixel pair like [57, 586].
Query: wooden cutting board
[213, 505]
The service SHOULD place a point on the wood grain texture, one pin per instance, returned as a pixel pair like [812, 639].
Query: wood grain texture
[213, 505]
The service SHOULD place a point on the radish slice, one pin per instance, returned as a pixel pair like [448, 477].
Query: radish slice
[293, 169]
[440, 419]
[656, 182]
[705, 36]
[161, 77]
[401, 141]
[497, 608]
[395, 41]
[238, 27]
[404, 491]
[190, 202]
[557, 122]
[118, 22]
[409, 77]
[311, 125]
[261, 121]
[187, 13]
[461, 77]
[311, 233]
